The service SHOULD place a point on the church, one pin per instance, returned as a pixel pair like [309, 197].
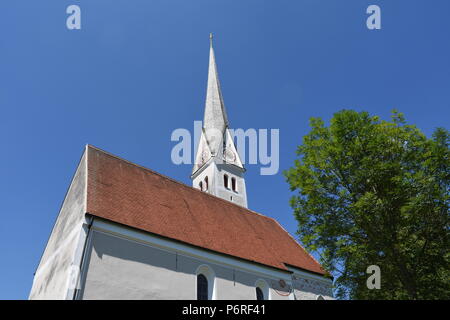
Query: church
[127, 232]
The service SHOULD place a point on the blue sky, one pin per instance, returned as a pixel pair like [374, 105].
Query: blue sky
[137, 70]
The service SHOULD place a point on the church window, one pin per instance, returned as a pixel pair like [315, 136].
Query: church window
[206, 184]
[200, 185]
[259, 294]
[233, 184]
[205, 283]
[202, 287]
[225, 181]
[262, 290]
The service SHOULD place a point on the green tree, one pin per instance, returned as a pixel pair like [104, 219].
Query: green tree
[374, 192]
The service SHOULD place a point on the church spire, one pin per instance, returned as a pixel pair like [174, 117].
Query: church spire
[215, 120]
[218, 168]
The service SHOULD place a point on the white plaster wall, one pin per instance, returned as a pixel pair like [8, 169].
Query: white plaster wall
[215, 173]
[52, 276]
[310, 289]
[239, 197]
[209, 172]
[123, 268]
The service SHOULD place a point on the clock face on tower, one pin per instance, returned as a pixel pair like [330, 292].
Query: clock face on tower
[204, 156]
[229, 156]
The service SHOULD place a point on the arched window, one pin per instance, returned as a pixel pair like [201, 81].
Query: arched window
[202, 287]
[262, 290]
[225, 181]
[200, 185]
[205, 283]
[233, 184]
[259, 294]
[206, 184]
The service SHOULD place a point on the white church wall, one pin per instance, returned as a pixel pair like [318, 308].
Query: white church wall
[51, 280]
[123, 269]
[310, 287]
[128, 264]
[216, 186]
[240, 195]
[208, 171]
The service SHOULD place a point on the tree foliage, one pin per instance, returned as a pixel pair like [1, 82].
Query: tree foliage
[374, 192]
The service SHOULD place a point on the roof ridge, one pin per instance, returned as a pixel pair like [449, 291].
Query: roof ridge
[178, 182]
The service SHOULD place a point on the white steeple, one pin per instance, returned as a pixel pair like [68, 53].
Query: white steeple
[218, 169]
[215, 114]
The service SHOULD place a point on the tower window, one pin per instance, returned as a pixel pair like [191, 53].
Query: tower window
[200, 185]
[259, 294]
[206, 184]
[233, 184]
[202, 287]
[225, 181]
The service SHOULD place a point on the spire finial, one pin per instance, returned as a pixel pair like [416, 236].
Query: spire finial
[210, 39]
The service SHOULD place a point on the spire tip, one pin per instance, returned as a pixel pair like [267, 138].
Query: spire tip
[210, 39]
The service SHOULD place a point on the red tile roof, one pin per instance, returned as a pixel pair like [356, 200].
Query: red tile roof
[131, 195]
